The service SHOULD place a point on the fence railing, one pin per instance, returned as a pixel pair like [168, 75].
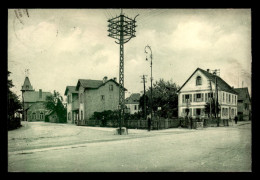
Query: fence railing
[136, 124]
[160, 123]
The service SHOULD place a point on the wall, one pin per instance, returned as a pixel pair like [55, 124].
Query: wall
[191, 88]
[94, 103]
[132, 108]
[36, 108]
[69, 108]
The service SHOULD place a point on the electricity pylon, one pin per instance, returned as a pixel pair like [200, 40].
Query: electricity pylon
[121, 28]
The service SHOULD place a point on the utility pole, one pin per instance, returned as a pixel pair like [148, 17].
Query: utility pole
[122, 29]
[216, 95]
[210, 99]
[144, 81]
[151, 57]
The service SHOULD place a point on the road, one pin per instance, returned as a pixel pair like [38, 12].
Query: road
[47, 147]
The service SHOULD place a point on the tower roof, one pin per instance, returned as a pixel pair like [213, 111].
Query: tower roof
[27, 85]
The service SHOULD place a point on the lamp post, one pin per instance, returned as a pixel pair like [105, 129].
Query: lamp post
[151, 57]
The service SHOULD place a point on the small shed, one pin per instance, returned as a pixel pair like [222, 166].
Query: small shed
[52, 117]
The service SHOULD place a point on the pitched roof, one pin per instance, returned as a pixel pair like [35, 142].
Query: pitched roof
[88, 83]
[242, 93]
[93, 84]
[27, 85]
[222, 85]
[133, 99]
[33, 96]
[71, 89]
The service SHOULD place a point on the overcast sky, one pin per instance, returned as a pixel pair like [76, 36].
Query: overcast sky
[60, 46]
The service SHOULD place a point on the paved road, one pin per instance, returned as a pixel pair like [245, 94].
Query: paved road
[43, 147]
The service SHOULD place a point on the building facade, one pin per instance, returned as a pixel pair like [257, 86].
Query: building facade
[243, 104]
[132, 103]
[91, 96]
[72, 104]
[33, 102]
[199, 89]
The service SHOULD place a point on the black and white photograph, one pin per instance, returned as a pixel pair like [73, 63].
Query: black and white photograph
[129, 90]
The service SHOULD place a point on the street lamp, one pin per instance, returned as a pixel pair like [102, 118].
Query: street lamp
[151, 57]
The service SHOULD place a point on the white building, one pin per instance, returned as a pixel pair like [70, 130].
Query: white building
[132, 103]
[197, 90]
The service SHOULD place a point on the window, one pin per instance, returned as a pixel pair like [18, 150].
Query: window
[186, 111]
[235, 99]
[223, 97]
[41, 115]
[135, 107]
[198, 81]
[246, 106]
[110, 87]
[102, 97]
[34, 115]
[186, 98]
[198, 97]
[229, 99]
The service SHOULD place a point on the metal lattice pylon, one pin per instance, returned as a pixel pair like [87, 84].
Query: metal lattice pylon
[122, 29]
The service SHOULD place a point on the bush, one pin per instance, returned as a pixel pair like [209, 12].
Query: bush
[105, 116]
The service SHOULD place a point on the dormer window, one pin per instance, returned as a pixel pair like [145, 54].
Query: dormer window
[198, 81]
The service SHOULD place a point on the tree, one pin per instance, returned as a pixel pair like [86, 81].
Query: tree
[54, 103]
[13, 102]
[164, 96]
[141, 104]
[207, 108]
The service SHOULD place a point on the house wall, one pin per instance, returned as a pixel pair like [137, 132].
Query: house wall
[190, 88]
[36, 112]
[132, 108]
[69, 108]
[244, 109]
[72, 105]
[94, 103]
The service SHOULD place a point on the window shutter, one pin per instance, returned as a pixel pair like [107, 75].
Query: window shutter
[183, 99]
[194, 97]
[202, 94]
[190, 97]
[194, 111]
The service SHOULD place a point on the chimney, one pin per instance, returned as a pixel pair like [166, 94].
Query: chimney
[40, 93]
[207, 70]
[114, 78]
[105, 79]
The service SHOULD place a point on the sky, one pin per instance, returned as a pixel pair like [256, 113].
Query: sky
[60, 46]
